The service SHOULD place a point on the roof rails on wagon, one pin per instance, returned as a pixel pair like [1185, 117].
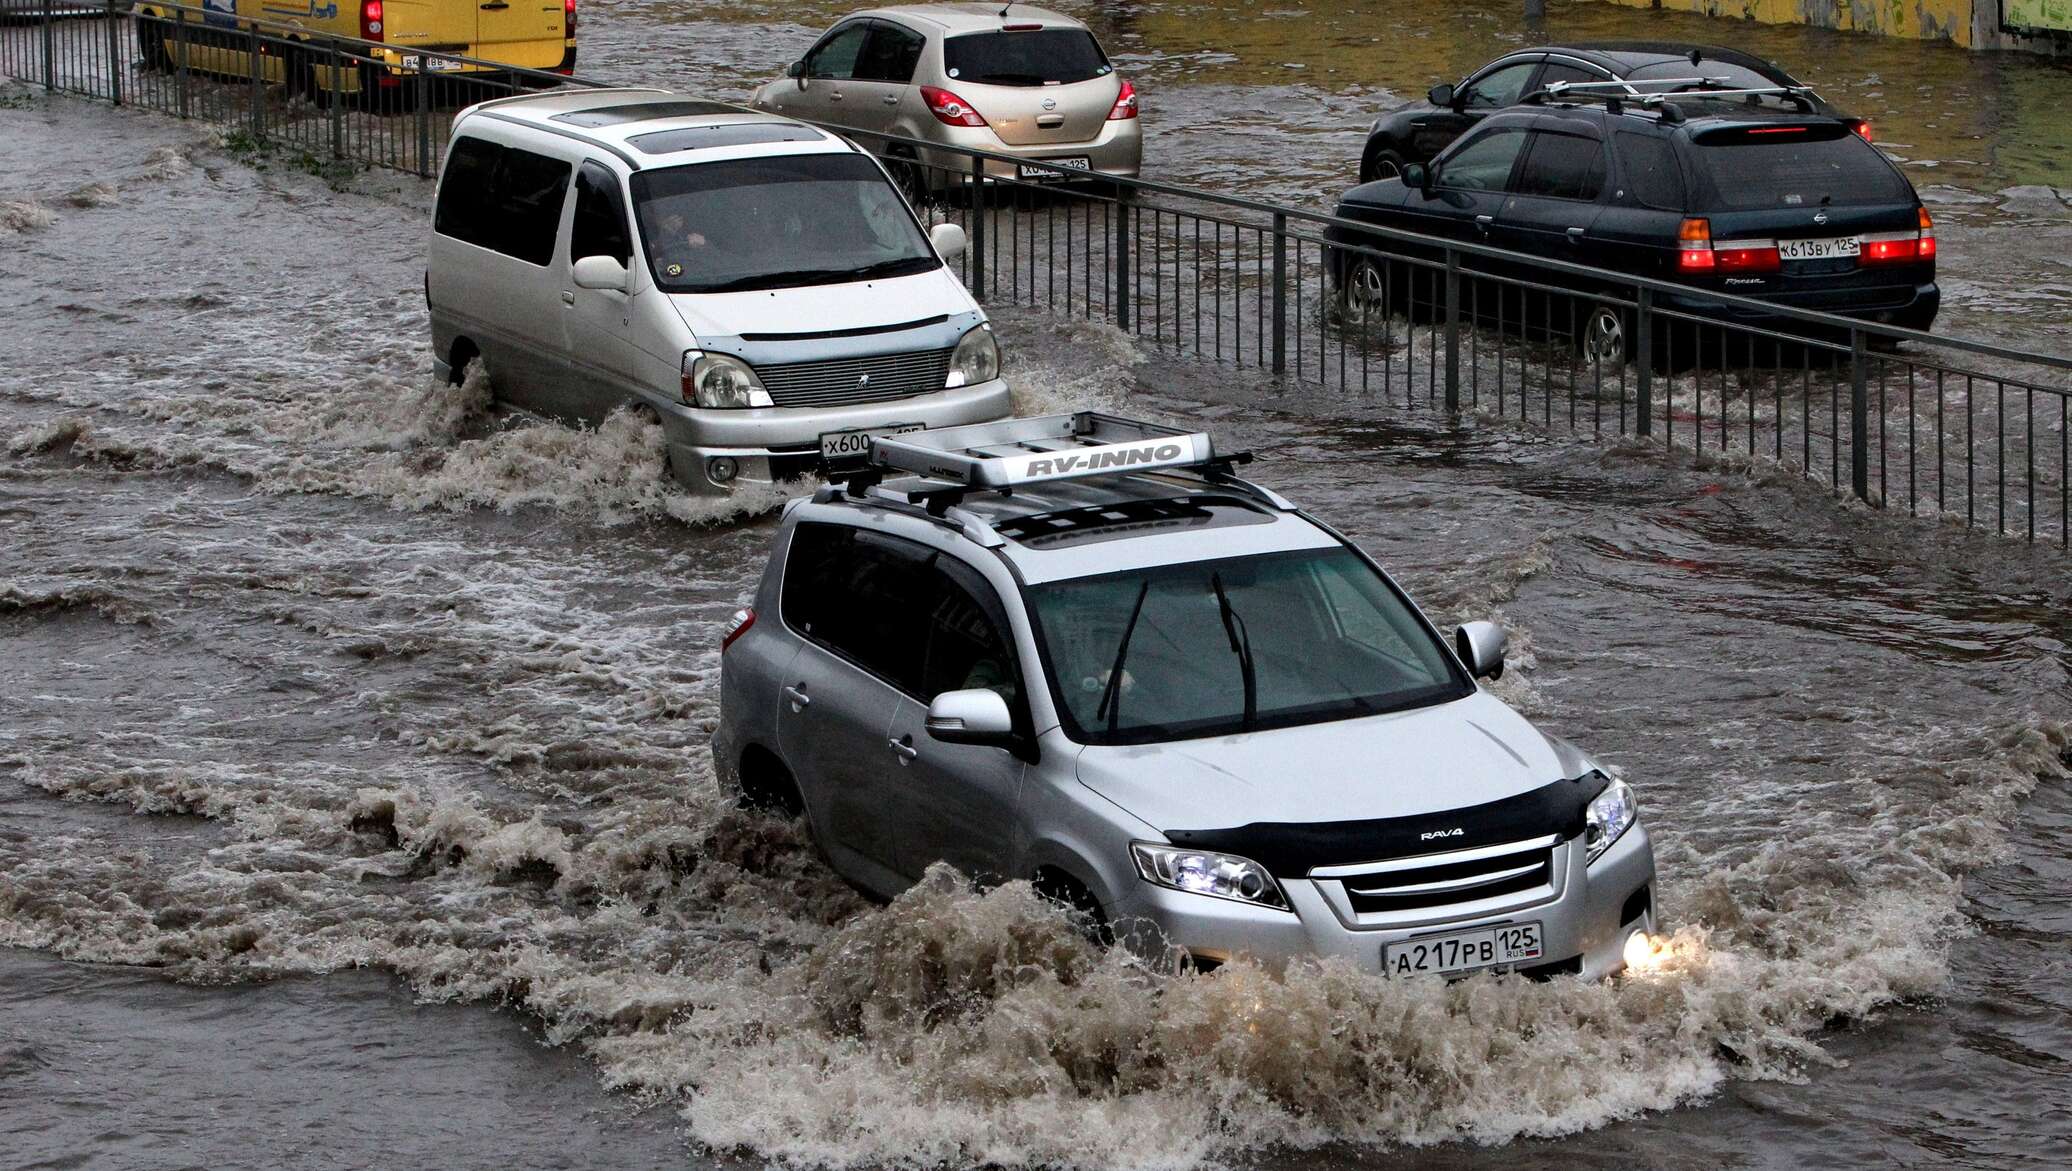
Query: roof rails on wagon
[1615, 94]
[953, 462]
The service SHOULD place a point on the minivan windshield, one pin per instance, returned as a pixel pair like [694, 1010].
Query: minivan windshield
[1810, 166]
[776, 222]
[1213, 647]
[1050, 56]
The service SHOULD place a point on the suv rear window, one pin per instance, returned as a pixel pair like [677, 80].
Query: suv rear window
[1757, 167]
[1050, 56]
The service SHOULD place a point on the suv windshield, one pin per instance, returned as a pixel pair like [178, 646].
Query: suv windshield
[1051, 56]
[1795, 166]
[1214, 647]
[775, 223]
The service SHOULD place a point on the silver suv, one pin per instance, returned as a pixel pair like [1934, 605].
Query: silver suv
[1080, 650]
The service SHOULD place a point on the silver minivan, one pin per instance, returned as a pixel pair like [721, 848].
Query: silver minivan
[1013, 80]
[1079, 650]
[758, 284]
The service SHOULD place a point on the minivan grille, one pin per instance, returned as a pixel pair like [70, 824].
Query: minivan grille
[1407, 885]
[835, 382]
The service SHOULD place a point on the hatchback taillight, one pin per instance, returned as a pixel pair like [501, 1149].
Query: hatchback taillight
[1125, 103]
[370, 20]
[737, 626]
[949, 109]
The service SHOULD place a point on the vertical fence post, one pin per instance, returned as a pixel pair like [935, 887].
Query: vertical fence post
[1280, 292]
[1453, 330]
[1125, 212]
[1859, 416]
[1644, 353]
[978, 228]
[115, 61]
[50, 52]
[424, 115]
[337, 103]
[180, 46]
[258, 84]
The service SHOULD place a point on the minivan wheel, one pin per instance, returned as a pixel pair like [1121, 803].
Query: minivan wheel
[1601, 337]
[1077, 901]
[1365, 292]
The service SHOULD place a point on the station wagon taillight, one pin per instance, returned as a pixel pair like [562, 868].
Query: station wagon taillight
[370, 20]
[736, 627]
[1698, 252]
[949, 109]
[1125, 103]
[1901, 247]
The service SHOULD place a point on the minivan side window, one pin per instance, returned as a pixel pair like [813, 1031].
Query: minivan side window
[1649, 166]
[600, 221]
[502, 198]
[1484, 163]
[835, 58]
[862, 596]
[893, 52]
[1562, 166]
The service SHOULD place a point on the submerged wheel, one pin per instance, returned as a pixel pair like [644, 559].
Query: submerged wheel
[1601, 337]
[1364, 295]
[1073, 895]
[152, 35]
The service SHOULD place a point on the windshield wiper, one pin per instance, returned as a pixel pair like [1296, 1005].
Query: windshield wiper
[892, 267]
[1110, 708]
[1241, 646]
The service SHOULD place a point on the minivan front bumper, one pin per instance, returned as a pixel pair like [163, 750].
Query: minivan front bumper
[776, 443]
[1584, 926]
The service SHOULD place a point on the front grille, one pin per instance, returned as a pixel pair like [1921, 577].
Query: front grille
[836, 382]
[1410, 884]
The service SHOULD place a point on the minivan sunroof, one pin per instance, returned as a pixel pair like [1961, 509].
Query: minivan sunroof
[643, 112]
[662, 142]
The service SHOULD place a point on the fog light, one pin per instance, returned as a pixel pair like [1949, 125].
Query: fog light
[721, 469]
[1642, 953]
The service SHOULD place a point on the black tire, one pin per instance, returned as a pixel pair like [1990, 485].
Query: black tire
[1077, 901]
[464, 355]
[1380, 164]
[300, 73]
[768, 787]
[152, 35]
[1603, 336]
[911, 179]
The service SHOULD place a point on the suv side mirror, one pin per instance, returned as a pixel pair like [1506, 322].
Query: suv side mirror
[797, 72]
[1441, 95]
[977, 715]
[949, 241]
[1417, 177]
[600, 272]
[1481, 647]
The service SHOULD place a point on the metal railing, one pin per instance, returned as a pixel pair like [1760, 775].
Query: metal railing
[1942, 426]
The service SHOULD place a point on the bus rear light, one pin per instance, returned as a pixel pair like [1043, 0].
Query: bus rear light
[370, 20]
[568, 19]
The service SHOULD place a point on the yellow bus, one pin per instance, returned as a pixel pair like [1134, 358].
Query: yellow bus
[294, 51]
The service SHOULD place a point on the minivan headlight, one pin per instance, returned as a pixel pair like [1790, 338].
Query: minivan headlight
[1222, 876]
[976, 360]
[1611, 813]
[718, 381]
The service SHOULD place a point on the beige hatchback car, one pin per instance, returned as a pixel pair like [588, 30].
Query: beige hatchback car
[1031, 83]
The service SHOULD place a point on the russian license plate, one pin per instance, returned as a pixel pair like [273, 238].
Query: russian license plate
[1041, 174]
[852, 444]
[1831, 249]
[431, 64]
[1463, 951]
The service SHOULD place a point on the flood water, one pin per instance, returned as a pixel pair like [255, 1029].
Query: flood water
[355, 805]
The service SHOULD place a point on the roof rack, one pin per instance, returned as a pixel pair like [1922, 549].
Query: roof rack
[1002, 456]
[1698, 88]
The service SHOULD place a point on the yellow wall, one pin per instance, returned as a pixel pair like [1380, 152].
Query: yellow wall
[1971, 23]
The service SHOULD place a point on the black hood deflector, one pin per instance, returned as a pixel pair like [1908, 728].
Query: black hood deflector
[1292, 850]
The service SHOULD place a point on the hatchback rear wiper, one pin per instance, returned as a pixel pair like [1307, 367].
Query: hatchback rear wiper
[1110, 707]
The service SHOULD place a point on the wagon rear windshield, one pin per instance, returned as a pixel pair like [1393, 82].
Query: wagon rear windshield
[1048, 56]
[1748, 168]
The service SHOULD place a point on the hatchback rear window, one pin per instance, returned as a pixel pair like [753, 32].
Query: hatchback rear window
[1794, 166]
[1049, 56]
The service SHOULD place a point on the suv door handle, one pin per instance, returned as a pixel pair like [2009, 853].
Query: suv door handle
[798, 697]
[903, 748]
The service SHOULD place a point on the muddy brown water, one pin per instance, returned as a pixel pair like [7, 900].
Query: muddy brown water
[354, 801]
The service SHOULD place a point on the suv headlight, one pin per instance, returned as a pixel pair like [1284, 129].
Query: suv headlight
[717, 381]
[976, 360]
[1223, 876]
[1612, 813]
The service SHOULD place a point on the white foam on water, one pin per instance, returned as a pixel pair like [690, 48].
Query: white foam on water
[17, 215]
